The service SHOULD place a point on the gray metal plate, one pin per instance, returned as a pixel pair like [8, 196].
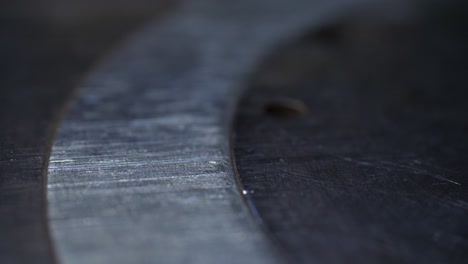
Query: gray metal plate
[140, 171]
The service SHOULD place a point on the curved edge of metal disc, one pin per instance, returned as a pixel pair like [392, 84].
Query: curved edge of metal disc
[140, 170]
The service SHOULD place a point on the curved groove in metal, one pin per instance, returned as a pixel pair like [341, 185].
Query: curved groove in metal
[140, 170]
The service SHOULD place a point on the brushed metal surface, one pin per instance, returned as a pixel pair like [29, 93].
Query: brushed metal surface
[140, 171]
[42, 60]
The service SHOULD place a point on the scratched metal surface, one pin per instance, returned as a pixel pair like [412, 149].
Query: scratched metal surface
[375, 169]
[140, 169]
[42, 60]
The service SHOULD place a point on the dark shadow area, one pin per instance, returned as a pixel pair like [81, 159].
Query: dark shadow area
[375, 171]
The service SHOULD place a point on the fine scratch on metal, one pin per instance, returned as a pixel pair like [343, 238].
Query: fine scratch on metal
[394, 165]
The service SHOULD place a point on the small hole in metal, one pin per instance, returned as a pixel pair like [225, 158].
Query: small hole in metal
[285, 108]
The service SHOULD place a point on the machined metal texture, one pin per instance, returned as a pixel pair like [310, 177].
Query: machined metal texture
[43, 58]
[140, 170]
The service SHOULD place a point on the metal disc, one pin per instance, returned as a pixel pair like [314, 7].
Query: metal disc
[348, 145]
[140, 170]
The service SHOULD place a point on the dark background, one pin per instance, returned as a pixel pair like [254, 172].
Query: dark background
[350, 142]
